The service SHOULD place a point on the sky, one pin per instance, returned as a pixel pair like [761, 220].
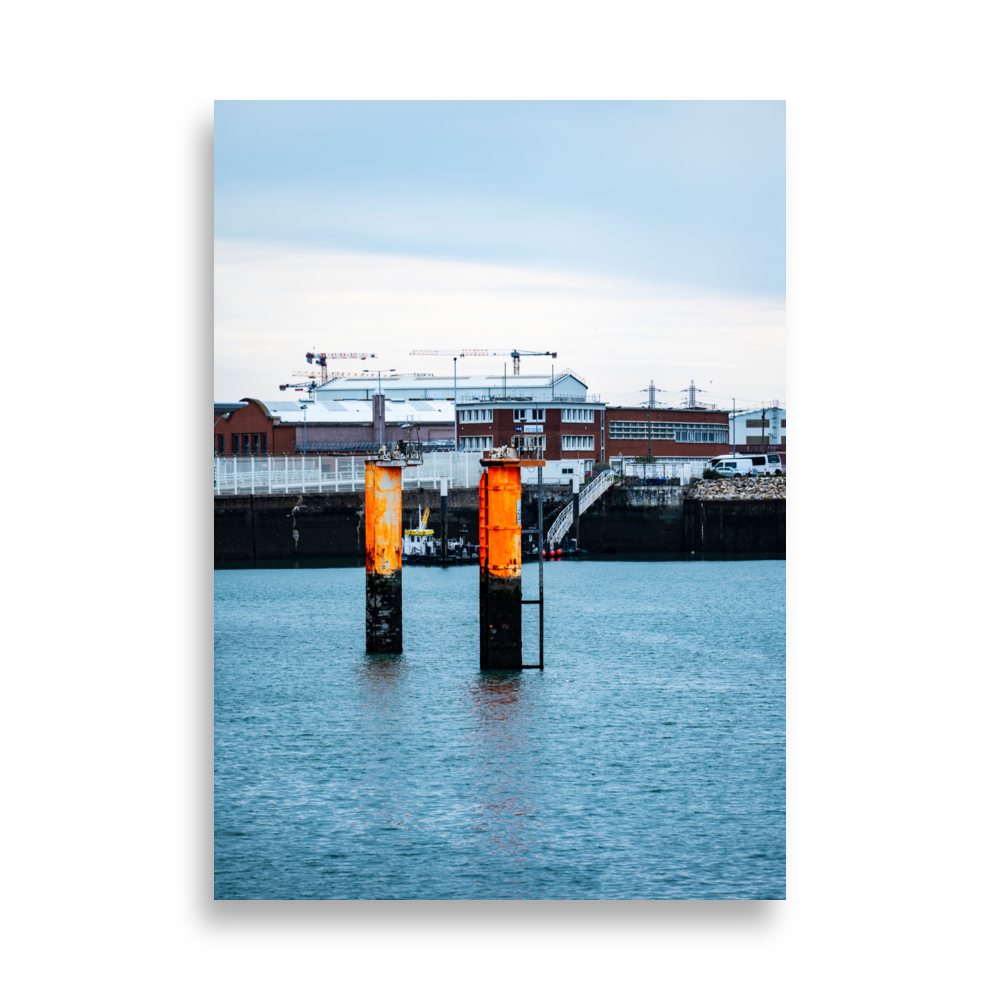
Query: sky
[640, 240]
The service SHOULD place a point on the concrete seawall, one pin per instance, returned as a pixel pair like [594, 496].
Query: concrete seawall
[626, 520]
[744, 526]
[328, 525]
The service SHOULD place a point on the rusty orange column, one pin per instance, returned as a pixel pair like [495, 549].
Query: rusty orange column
[383, 558]
[500, 566]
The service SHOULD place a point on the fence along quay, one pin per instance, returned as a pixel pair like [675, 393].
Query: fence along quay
[235, 474]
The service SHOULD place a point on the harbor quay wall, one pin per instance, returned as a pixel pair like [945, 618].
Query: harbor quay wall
[627, 520]
[635, 519]
[734, 526]
[249, 527]
[665, 519]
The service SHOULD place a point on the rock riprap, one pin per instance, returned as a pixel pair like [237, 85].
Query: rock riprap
[752, 488]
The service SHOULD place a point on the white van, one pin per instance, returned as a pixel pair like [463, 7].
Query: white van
[741, 465]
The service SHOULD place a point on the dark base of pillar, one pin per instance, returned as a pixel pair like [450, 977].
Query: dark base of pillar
[384, 613]
[499, 623]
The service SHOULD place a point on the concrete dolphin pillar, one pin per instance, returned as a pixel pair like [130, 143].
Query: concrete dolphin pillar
[500, 566]
[383, 557]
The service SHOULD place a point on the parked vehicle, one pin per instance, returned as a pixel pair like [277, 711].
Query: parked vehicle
[748, 465]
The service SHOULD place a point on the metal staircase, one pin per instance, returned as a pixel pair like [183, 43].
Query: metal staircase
[595, 489]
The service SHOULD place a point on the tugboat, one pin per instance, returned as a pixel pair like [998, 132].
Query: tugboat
[420, 545]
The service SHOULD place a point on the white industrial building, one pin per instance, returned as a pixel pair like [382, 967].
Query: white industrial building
[565, 386]
[759, 429]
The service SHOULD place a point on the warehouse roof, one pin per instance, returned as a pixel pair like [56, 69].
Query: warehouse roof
[358, 411]
[430, 387]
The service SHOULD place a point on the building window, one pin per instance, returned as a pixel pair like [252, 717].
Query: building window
[236, 444]
[529, 415]
[246, 444]
[220, 444]
[578, 442]
[575, 416]
[263, 444]
[475, 416]
[528, 442]
[782, 423]
[476, 443]
[702, 436]
[758, 423]
[641, 430]
[256, 445]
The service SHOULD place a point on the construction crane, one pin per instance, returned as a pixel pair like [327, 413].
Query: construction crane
[480, 352]
[322, 357]
[332, 375]
[309, 387]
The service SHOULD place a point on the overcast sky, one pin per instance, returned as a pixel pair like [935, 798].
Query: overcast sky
[640, 240]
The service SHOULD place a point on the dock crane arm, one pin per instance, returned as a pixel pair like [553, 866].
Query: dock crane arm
[483, 352]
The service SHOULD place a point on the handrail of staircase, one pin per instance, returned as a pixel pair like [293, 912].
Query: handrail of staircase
[591, 492]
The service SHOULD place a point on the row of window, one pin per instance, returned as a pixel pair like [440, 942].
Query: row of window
[531, 442]
[572, 416]
[762, 439]
[710, 437]
[243, 444]
[761, 423]
[640, 430]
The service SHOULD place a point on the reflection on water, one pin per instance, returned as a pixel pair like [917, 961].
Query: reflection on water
[646, 761]
[504, 791]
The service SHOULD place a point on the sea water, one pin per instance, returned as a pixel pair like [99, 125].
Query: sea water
[647, 761]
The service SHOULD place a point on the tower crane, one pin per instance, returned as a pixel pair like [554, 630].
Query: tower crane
[480, 352]
[323, 356]
[310, 387]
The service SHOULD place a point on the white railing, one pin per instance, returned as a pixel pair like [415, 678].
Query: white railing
[596, 488]
[329, 474]
[662, 469]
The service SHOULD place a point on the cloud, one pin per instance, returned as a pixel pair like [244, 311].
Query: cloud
[273, 304]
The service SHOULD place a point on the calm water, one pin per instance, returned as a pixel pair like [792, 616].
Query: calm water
[646, 761]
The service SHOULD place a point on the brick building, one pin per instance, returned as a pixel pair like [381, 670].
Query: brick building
[565, 430]
[670, 434]
[253, 430]
[492, 409]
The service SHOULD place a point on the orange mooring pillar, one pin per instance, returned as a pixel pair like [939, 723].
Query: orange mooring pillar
[500, 565]
[383, 557]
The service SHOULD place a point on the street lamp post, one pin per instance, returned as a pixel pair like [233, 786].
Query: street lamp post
[381, 415]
